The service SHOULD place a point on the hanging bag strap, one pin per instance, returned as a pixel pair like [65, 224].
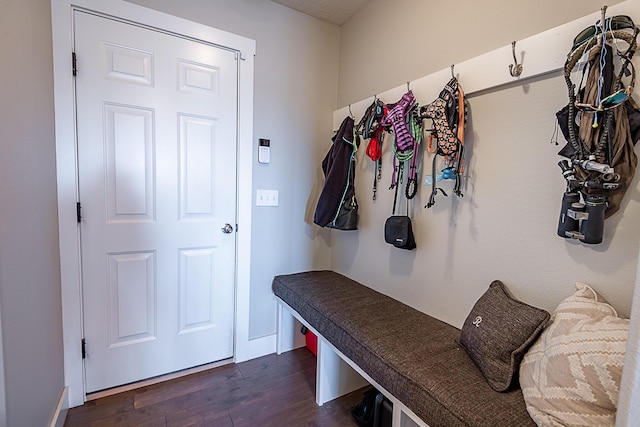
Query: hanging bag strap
[399, 181]
[395, 194]
[459, 167]
[434, 191]
[374, 151]
[430, 148]
[378, 139]
[369, 128]
[461, 125]
[417, 133]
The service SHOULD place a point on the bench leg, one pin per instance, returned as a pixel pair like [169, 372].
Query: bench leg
[279, 332]
[334, 377]
[288, 335]
[397, 416]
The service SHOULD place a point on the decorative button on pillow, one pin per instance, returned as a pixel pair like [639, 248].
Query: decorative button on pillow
[571, 375]
[498, 332]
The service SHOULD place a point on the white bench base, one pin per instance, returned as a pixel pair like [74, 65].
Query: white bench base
[336, 374]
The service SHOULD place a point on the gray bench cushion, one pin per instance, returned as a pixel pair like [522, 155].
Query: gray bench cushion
[412, 355]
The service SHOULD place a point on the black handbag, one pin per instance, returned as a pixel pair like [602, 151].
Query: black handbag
[397, 229]
[347, 217]
[399, 232]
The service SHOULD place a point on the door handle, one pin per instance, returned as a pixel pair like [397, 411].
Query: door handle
[227, 228]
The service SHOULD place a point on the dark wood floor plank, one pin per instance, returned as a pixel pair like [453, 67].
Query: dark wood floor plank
[275, 390]
[233, 392]
[132, 419]
[220, 399]
[270, 398]
[289, 362]
[148, 417]
[306, 413]
[186, 385]
[108, 407]
[207, 419]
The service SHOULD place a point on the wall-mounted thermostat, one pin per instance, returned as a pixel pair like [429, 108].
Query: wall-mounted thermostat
[264, 150]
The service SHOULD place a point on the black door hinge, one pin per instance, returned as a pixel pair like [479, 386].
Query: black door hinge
[74, 63]
[78, 212]
[84, 349]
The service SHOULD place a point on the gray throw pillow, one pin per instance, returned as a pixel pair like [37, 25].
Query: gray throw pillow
[498, 332]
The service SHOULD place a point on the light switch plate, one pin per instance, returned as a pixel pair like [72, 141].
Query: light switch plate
[266, 197]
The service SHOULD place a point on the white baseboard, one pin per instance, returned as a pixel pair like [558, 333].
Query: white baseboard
[60, 414]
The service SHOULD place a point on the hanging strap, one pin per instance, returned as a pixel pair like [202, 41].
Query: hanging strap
[417, 133]
[395, 194]
[434, 191]
[395, 197]
[412, 184]
[399, 157]
[462, 122]
[374, 151]
[456, 187]
[430, 148]
[370, 128]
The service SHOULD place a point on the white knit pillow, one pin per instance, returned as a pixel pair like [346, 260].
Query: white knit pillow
[571, 375]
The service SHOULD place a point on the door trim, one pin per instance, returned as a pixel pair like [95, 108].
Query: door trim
[65, 135]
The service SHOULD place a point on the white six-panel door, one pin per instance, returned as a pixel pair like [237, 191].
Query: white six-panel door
[156, 126]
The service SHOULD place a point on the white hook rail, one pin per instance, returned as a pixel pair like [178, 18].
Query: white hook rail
[542, 53]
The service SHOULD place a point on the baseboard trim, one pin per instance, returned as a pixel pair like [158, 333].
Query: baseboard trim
[60, 414]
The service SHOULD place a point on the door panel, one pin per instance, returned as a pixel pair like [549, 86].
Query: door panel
[156, 118]
[132, 296]
[130, 163]
[197, 161]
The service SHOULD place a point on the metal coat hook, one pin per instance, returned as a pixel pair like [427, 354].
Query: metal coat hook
[350, 113]
[515, 69]
[408, 86]
[453, 76]
[603, 13]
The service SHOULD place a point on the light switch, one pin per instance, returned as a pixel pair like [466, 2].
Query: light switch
[266, 197]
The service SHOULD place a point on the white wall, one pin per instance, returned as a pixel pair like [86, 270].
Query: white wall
[29, 259]
[504, 227]
[296, 78]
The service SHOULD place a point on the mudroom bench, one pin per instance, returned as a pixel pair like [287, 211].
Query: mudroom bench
[365, 337]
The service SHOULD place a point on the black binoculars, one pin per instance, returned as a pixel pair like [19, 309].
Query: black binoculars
[608, 180]
[582, 221]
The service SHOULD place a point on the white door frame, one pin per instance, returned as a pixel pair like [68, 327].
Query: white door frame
[65, 134]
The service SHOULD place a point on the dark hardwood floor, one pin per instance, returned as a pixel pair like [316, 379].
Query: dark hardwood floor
[269, 391]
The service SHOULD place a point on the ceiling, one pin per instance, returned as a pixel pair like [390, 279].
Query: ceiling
[334, 11]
